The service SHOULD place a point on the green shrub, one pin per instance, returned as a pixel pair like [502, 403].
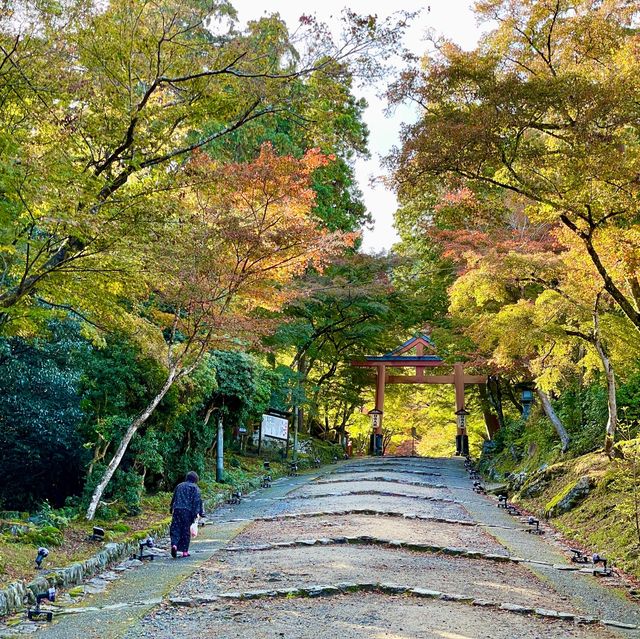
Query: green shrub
[42, 536]
[119, 528]
[57, 517]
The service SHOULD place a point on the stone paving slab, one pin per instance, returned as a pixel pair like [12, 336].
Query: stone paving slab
[365, 616]
[374, 502]
[289, 567]
[387, 527]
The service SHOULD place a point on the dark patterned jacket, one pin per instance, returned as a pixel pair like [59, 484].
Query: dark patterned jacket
[187, 496]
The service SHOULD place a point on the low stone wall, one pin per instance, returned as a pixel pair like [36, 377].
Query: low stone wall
[14, 597]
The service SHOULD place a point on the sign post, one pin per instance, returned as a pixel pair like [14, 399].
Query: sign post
[296, 419]
[220, 452]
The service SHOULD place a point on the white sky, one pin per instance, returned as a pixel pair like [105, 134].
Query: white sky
[452, 18]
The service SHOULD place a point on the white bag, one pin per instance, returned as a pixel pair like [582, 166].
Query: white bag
[194, 529]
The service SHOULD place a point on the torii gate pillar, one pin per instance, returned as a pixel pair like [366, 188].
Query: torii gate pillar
[381, 380]
[380, 384]
[462, 438]
[458, 383]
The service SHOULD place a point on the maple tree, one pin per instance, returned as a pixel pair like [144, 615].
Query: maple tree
[545, 109]
[102, 106]
[241, 234]
[530, 313]
[526, 293]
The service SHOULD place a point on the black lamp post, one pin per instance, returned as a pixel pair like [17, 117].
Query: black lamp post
[462, 439]
[376, 438]
[526, 398]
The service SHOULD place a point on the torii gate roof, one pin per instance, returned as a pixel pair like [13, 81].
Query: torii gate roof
[397, 358]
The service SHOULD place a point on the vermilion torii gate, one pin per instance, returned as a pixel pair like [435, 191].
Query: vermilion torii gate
[401, 357]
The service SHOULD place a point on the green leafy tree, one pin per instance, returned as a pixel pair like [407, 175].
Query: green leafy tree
[242, 235]
[41, 454]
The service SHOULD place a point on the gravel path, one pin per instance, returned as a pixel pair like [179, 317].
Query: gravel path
[286, 567]
[326, 580]
[346, 617]
[401, 505]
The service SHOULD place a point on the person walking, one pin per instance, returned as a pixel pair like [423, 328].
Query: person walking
[186, 505]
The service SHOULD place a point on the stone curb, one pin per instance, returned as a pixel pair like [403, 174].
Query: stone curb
[328, 590]
[383, 493]
[372, 469]
[375, 541]
[366, 539]
[363, 511]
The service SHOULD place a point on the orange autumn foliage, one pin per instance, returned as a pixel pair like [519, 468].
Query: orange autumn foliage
[247, 230]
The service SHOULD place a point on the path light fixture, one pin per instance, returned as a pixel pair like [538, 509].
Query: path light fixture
[606, 568]
[579, 557]
[462, 439]
[97, 534]
[42, 553]
[36, 614]
[149, 542]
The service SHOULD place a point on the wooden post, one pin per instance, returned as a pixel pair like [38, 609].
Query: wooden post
[260, 438]
[419, 369]
[458, 382]
[380, 382]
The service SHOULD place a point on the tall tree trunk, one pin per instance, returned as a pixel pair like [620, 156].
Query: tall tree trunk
[302, 372]
[512, 397]
[495, 397]
[612, 419]
[490, 420]
[124, 444]
[612, 405]
[554, 419]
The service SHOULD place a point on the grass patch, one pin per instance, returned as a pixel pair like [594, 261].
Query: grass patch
[605, 521]
[17, 558]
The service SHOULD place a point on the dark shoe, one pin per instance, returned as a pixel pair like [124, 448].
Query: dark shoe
[174, 551]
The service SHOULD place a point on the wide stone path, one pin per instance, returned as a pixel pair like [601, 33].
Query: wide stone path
[395, 548]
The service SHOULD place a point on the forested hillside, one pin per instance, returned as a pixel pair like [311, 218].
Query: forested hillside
[180, 230]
